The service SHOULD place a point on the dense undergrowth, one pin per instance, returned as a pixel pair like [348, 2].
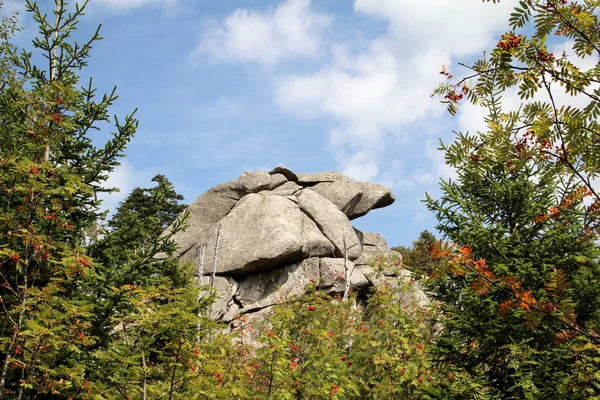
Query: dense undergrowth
[90, 311]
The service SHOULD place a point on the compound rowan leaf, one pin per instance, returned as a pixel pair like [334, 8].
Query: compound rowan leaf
[481, 286]
[527, 299]
[532, 320]
[557, 282]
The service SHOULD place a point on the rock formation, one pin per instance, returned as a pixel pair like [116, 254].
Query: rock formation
[260, 239]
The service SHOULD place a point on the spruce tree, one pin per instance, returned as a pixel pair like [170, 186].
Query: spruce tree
[417, 257]
[126, 324]
[520, 288]
[51, 173]
[127, 251]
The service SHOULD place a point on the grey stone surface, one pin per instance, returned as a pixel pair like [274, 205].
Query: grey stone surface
[333, 275]
[206, 211]
[277, 180]
[268, 288]
[277, 232]
[375, 246]
[225, 288]
[315, 244]
[213, 205]
[342, 193]
[406, 291]
[290, 176]
[320, 177]
[287, 189]
[374, 196]
[375, 240]
[332, 222]
[252, 182]
[262, 233]
[233, 312]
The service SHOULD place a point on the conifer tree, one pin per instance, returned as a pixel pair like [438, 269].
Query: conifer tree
[126, 253]
[417, 257]
[51, 173]
[126, 324]
[520, 287]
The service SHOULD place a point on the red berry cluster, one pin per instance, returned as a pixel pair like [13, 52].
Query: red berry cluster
[475, 157]
[543, 144]
[453, 96]
[334, 390]
[594, 207]
[544, 56]
[552, 5]
[509, 42]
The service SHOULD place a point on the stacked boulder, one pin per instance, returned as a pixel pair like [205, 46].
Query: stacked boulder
[262, 238]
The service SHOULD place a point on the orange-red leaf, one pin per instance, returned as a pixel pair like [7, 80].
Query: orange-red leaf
[527, 299]
[466, 250]
[513, 283]
[481, 286]
[505, 306]
[563, 336]
[483, 269]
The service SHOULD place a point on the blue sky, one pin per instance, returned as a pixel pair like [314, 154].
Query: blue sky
[228, 86]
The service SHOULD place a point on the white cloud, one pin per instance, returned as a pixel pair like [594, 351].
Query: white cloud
[456, 27]
[433, 169]
[381, 91]
[361, 165]
[471, 118]
[440, 169]
[378, 92]
[121, 178]
[290, 30]
[566, 48]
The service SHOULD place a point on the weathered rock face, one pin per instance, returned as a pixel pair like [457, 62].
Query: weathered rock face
[355, 199]
[262, 233]
[262, 238]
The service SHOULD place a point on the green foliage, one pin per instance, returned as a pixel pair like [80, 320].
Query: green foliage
[155, 209]
[113, 315]
[133, 251]
[316, 347]
[119, 318]
[136, 226]
[154, 347]
[523, 310]
[417, 258]
[50, 174]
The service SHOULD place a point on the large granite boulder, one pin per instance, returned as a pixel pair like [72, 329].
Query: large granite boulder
[374, 247]
[216, 203]
[225, 288]
[269, 288]
[334, 272]
[354, 198]
[262, 233]
[332, 222]
[261, 239]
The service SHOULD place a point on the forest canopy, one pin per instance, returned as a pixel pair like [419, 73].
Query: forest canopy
[96, 306]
